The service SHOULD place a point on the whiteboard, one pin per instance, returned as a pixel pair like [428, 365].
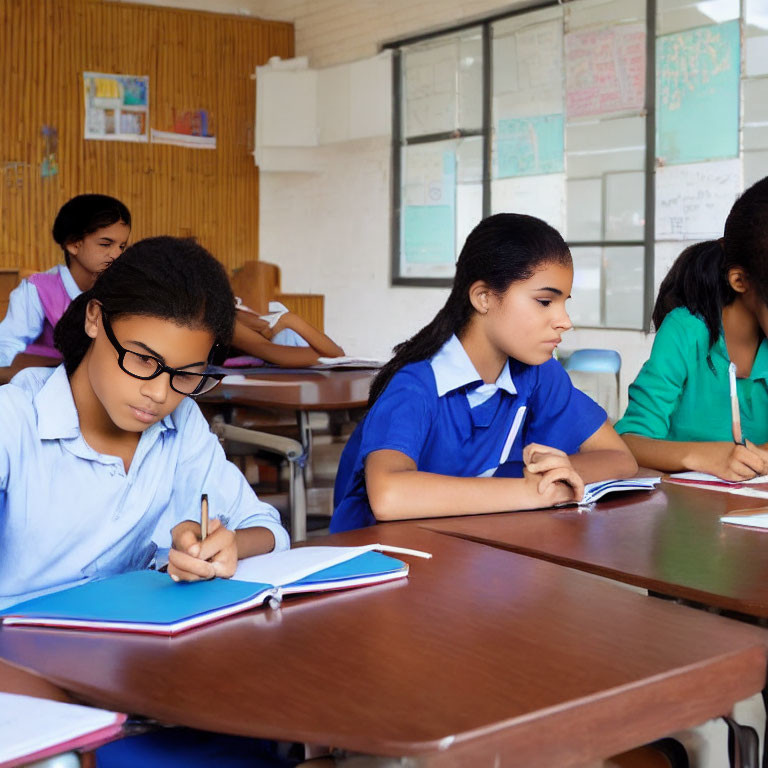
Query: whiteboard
[693, 200]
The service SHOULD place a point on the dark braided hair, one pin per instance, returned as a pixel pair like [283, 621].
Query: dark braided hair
[501, 250]
[167, 277]
[698, 280]
[84, 214]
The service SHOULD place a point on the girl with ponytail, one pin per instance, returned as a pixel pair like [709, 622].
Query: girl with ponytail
[473, 414]
[712, 309]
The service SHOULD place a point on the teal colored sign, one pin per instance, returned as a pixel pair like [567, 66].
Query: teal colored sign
[697, 94]
[429, 234]
[529, 146]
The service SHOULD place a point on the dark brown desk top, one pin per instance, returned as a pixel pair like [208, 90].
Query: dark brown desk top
[321, 391]
[24, 360]
[481, 655]
[669, 541]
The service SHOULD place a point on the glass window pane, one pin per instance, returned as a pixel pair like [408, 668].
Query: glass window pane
[625, 206]
[442, 201]
[528, 123]
[442, 85]
[541, 196]
[624, 287]
[585, 209]
[584, 306]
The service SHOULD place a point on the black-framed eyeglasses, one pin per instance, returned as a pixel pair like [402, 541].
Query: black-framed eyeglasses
[143, 366]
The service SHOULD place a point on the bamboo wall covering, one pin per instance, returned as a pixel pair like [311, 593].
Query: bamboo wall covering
[194, 60]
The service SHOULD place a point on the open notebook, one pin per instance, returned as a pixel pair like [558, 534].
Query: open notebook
[756, 487]
[595, 491]
[32, 729]
[148, 601]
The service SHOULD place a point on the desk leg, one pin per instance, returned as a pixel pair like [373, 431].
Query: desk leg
[743, 745]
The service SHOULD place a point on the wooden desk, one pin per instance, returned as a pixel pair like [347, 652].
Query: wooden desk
[298, 392]
[23, 360]
[482, 657]
[668, 541]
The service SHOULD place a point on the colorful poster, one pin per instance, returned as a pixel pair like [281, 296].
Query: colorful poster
[116, 107]
[605, 70]
[697, 94]
[529, 146]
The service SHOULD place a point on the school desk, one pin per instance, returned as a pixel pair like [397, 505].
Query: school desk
[482, 657]
[23, 360]
[299, 393]
[670, 541]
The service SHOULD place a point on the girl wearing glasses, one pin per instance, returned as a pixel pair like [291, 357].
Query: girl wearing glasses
[92, 231]
[103, 460]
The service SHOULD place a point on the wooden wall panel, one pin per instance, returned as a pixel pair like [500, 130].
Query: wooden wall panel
[195, 60]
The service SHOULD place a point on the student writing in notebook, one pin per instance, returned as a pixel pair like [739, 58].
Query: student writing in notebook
[103, 460]
[712, 309]
[92, 231]
[473, 414]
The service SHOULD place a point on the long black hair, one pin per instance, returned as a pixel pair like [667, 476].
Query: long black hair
[501, 250]
[698, 280]
[167, 277]
[84, 214]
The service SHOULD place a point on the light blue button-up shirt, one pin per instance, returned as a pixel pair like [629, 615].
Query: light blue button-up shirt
[69, 514]
[25, 318]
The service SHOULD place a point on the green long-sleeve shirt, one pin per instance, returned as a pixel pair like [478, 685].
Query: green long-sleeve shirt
[682, 391]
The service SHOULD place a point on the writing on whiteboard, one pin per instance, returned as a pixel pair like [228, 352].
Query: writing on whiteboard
[693, 200]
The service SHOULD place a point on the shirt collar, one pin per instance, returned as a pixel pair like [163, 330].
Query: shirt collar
[72, 288]
[453, 369]
[56, 412]
[760, 364]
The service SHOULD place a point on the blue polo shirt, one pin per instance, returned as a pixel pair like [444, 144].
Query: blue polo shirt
[441, 414]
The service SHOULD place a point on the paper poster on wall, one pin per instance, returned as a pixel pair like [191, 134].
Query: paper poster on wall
[605, 70]
[528, 70]
[693, 201]
[116, 107]
[529, 146]
[697, 94]
[428, 229]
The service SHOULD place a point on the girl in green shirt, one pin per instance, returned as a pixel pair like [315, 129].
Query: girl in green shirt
[712, 309]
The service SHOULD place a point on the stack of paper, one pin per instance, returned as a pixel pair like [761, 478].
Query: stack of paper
[32, 729]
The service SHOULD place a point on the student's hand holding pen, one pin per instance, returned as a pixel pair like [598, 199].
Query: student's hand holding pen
[194, 558]
[554, 472]
[729, 461]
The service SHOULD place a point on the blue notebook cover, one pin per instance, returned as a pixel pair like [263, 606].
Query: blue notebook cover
[148, 601]
[139, 597]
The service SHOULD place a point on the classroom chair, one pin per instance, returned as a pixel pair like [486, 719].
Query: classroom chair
[289, 450]
[596, 373]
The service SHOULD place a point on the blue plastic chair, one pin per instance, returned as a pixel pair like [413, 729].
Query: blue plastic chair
[594, 361]
[597, 361]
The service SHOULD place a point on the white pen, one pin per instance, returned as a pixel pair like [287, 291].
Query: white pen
[735, 415]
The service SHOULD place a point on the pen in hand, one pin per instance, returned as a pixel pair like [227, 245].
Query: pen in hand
[203, 516]
[735, 414]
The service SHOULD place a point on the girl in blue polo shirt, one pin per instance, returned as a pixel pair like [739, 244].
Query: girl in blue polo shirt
[473, 414]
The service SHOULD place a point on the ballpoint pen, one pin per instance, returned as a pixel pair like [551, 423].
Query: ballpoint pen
[735, 414]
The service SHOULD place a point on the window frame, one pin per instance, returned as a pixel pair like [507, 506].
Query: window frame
[399, 143]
